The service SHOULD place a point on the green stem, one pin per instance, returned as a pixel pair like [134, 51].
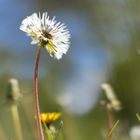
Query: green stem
[138, 117]
[49, 135]
[16, 121]
[37, 109]
[113, 128]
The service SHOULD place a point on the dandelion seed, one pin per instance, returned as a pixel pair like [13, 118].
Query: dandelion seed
[47, 33]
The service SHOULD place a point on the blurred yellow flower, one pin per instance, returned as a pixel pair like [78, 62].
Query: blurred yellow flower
[50, 117]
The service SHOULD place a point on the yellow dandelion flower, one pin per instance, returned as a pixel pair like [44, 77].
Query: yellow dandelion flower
[50, 117]
[43, 117]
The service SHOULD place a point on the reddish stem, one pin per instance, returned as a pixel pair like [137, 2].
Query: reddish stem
[38, 120]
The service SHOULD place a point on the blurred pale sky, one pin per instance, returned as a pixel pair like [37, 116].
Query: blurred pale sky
[89, 59]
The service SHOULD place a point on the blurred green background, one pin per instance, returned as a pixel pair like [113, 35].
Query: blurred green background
[105, 47]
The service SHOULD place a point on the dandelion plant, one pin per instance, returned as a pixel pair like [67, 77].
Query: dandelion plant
[51, 35]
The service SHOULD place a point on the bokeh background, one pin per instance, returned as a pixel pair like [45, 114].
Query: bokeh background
[105, 47]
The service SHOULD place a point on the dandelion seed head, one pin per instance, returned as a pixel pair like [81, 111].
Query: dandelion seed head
[13, 90]
[47, 33]
[113, 103]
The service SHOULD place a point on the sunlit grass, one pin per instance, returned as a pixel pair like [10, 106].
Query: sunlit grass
[58, 130]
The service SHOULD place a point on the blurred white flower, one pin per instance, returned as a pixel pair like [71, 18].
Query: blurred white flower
[135, 133]
[114, 103]
[13, 91]
[47, 33]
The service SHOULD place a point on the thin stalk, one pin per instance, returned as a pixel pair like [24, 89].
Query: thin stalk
[16, 121]
[49, 135]
[37, 109]
[138, 117]
[110, 122]
[113, 128]
[3, 135]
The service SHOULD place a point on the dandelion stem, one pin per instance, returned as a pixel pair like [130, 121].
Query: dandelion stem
[37, 109]
[16, 121]
[49, 135]
[110, 122]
